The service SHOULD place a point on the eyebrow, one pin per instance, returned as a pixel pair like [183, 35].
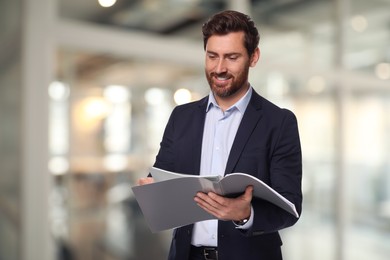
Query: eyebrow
[225, 55]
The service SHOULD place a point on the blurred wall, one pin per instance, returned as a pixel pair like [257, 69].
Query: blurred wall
[10, 129]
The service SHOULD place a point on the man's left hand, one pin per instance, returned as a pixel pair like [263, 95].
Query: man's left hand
[224, 208]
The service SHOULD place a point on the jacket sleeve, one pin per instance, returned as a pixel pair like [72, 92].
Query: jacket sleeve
[285, 174]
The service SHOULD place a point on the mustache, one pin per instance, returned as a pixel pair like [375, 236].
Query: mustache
[223, 74]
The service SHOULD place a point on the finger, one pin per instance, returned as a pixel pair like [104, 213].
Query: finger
[206, 206]
[203, 198]
[248, 193]
[205, 201]
[143, 181]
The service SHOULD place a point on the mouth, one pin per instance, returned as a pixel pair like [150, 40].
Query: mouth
[221, 79]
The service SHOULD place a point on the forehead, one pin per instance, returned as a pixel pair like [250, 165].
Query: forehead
[231, 42]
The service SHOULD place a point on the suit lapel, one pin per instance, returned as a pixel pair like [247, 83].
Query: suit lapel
[252, 116]
[199, 120]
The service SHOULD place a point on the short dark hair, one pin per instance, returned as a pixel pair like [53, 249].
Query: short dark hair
[229, 21]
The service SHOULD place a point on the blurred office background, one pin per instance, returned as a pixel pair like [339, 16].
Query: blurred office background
[86, 90]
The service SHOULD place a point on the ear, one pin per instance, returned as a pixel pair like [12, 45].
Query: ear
[255, 57]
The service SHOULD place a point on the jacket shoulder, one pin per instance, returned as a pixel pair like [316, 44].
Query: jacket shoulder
[269, 108]
[191, 106]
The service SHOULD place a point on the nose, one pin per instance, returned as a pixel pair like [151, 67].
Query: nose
[221, 66]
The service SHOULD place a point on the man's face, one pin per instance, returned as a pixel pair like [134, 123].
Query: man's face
[227, 64]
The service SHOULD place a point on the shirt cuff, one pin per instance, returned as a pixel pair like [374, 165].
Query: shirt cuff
[249, 223]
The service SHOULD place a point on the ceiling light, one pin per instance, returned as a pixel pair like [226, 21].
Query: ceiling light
[116, 94]
[359, 23]
[96, 108]
[58, 91]
[154, 96]
[182, 96]
[382, 71]
[107, 3]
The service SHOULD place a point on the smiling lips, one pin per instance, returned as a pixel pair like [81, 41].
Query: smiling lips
[222, 79]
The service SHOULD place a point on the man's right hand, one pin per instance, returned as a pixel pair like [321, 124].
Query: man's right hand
[143, 181]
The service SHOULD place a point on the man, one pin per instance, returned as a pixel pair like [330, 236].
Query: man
[233, 130]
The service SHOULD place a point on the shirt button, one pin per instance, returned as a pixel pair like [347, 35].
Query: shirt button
[213, 236]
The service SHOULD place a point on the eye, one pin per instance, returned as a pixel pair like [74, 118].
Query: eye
[212, 56]
[233, 57]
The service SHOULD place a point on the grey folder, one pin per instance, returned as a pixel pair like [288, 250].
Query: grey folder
[169, 201]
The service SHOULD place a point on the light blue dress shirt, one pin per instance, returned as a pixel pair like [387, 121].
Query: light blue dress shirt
[219, 132]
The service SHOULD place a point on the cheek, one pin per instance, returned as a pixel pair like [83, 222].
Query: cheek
[235, 70]
[209, 65]
[240, 69]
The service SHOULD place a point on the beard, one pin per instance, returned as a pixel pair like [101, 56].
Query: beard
[228, 89]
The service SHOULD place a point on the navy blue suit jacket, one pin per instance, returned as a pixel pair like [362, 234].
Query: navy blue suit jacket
[266, 146]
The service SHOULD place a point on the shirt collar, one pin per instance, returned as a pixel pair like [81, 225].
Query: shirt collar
[240, 104]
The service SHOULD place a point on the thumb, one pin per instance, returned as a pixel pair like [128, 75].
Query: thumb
[248, 193]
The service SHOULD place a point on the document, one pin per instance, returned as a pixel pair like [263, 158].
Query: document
[169, 201]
